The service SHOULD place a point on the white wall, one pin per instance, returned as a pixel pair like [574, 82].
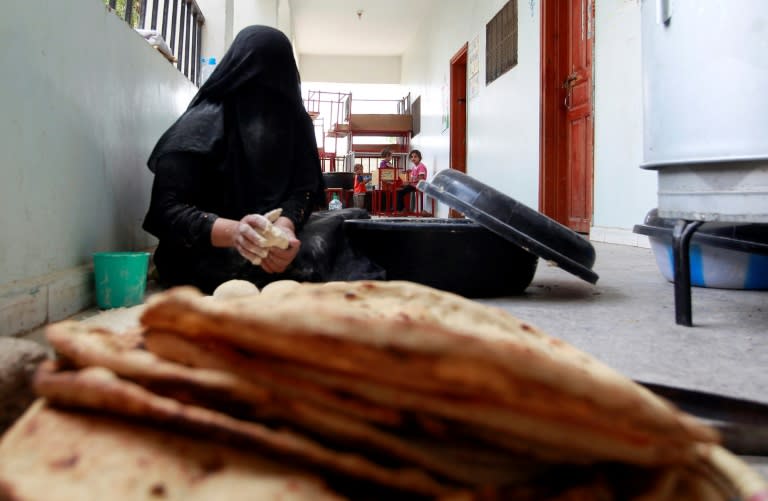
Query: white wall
[503, 118]
[285, 19]
[624, 193]
[248, 12]
[350, 69]
[84, 100]
[225, 18]
[215, 36]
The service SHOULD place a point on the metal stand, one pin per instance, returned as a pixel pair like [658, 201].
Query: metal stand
[681, 243]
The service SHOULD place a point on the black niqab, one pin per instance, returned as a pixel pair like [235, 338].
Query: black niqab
[249, 119]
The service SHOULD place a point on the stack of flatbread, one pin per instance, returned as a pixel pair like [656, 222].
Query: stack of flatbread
[388, 390]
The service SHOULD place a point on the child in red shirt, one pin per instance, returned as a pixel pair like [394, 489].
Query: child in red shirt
[359, 189]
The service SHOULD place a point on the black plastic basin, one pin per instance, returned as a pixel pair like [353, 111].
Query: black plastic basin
[343, 180]
[455, 255]
[514, 221]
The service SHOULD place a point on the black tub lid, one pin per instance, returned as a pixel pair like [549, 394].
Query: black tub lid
[514, 221]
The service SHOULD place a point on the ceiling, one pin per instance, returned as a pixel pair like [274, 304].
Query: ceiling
[332, 27]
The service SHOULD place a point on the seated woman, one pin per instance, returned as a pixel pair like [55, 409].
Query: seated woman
[244, 146]
[416, 174]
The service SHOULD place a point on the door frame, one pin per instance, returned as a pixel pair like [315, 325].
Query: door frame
[457, 115]
[552, 129]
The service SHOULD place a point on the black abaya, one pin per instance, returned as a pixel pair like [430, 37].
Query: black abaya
[245, 145]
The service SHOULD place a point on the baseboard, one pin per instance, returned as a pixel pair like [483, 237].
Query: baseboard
[619, 236]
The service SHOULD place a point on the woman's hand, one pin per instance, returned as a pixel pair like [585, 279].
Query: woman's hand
[278, 260]
[247, 238]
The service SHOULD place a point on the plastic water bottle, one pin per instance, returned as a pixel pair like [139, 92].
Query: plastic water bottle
[206, 68]
[200, 78]
[335, 204]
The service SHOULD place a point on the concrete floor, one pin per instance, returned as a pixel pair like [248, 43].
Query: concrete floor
[628, 321]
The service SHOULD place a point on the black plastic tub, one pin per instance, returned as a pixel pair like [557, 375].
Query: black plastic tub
[514, 221]
[343, 180]
[455, 255]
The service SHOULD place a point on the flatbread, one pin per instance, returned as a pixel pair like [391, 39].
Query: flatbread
[218, 389]
[86, 346]
[100, 389]
[63, 455]
[389, 316]
[557, 439]
[409, 337]
[60, 455]
[385, 393]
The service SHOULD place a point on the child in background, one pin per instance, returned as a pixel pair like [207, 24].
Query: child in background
[416, 174]
[386, 161]
[358, 195]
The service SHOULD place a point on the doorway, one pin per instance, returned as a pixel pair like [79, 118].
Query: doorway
[458, 114]
[567, 127]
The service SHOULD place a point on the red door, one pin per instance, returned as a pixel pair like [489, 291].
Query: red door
[567, 126]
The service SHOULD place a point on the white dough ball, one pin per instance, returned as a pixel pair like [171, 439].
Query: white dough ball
[235, 288]
[280, 287]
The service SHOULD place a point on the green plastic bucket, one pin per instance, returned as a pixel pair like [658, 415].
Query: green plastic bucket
[121, 278]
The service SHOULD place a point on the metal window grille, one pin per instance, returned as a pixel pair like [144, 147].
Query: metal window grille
[180, 22]
[501, 42]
